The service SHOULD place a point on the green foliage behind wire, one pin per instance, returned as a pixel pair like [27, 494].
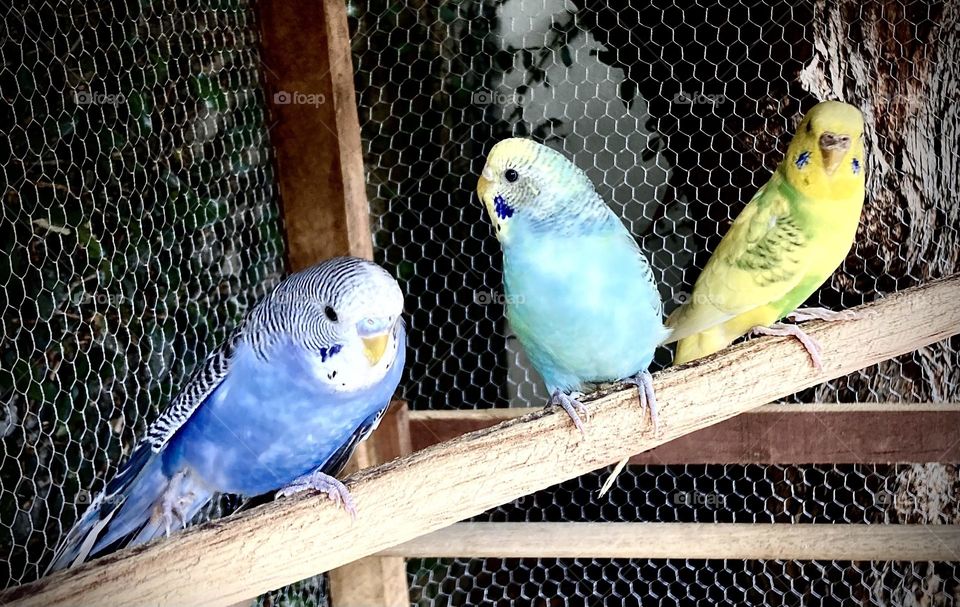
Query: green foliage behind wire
[139, 221]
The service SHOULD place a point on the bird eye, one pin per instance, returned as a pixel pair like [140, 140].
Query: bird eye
[330, 313]
[511, 175]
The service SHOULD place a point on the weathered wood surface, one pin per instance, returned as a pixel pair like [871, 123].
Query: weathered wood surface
[836, 433]
[827, 542]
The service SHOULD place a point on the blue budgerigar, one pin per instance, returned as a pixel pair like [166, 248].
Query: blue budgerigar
[581, 297]
[280, 406]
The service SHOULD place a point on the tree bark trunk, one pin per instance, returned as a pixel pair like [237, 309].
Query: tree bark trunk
[900, 63]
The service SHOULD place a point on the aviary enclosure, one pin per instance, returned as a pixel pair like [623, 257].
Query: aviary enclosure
[165, 163]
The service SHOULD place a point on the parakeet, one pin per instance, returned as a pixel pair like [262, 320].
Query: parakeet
[580, 295]
[280, 405]
[785, 243]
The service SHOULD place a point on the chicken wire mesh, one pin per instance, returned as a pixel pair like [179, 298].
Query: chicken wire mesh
[678, 112]
[140, 221]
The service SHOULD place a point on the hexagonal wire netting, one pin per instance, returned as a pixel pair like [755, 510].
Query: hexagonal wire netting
[678, 113]
[140, 221]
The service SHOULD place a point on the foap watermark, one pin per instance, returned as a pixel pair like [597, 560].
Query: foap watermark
[685, 98]
[901, 501]
[86, 497]
[299, 98]
[84, 96]
[684, 297]
[492, 98]
[100, 298]
[485, 298]
[697, 498]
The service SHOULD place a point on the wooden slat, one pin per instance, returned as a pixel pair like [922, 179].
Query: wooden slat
[264, 548]
[689, 541]
[306, 61]
[316, 134]
[773, 434]
[377, 581]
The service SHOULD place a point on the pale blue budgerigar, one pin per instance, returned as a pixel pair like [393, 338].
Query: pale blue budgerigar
[281, 405]
[580, 295]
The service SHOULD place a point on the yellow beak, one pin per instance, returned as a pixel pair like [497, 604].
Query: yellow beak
[374, 347]
[832, 160]
[833, 149]
[483, 184]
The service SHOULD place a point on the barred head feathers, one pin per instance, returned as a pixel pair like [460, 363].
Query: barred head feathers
[326, 306]
[528, 180]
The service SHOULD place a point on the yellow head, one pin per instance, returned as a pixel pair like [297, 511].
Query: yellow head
[826, 160]
[527, 182]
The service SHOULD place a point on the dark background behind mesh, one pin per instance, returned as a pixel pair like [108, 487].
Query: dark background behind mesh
[140, 220]
[422, 72]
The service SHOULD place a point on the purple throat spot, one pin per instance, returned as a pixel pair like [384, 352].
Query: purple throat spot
[502, 209]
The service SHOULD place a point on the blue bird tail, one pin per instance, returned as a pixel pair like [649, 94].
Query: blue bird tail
[129, 510]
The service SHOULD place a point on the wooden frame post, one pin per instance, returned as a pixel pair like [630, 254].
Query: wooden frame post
[376, 581]
[316, 135]
[315, 131]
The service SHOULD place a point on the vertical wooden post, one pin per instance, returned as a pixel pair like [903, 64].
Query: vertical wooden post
[316, 134]
[315, 131]
[379, 581]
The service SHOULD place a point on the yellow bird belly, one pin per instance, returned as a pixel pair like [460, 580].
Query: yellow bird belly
[717, 338]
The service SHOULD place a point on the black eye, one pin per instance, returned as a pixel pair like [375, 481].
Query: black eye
[330, 313]
[511, 175]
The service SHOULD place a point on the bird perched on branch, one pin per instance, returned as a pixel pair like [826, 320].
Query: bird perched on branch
[785, 243]
[581, 297]
[281, 405]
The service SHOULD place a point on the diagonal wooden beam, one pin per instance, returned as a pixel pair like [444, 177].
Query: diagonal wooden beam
[225, 561]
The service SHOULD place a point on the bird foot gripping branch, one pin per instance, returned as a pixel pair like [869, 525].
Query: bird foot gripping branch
[324, 483]
[571, 404]
[800, 315]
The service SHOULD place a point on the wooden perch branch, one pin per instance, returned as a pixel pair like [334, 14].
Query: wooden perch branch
[242, 556]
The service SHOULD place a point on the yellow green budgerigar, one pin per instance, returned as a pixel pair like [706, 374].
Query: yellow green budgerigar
[785, 243]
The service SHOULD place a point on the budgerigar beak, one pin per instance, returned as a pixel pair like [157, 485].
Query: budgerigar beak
[374, 347]
[833, 149]
[484, 183]
[482, 186]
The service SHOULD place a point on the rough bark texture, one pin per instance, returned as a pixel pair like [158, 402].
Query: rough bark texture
[899, 61]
